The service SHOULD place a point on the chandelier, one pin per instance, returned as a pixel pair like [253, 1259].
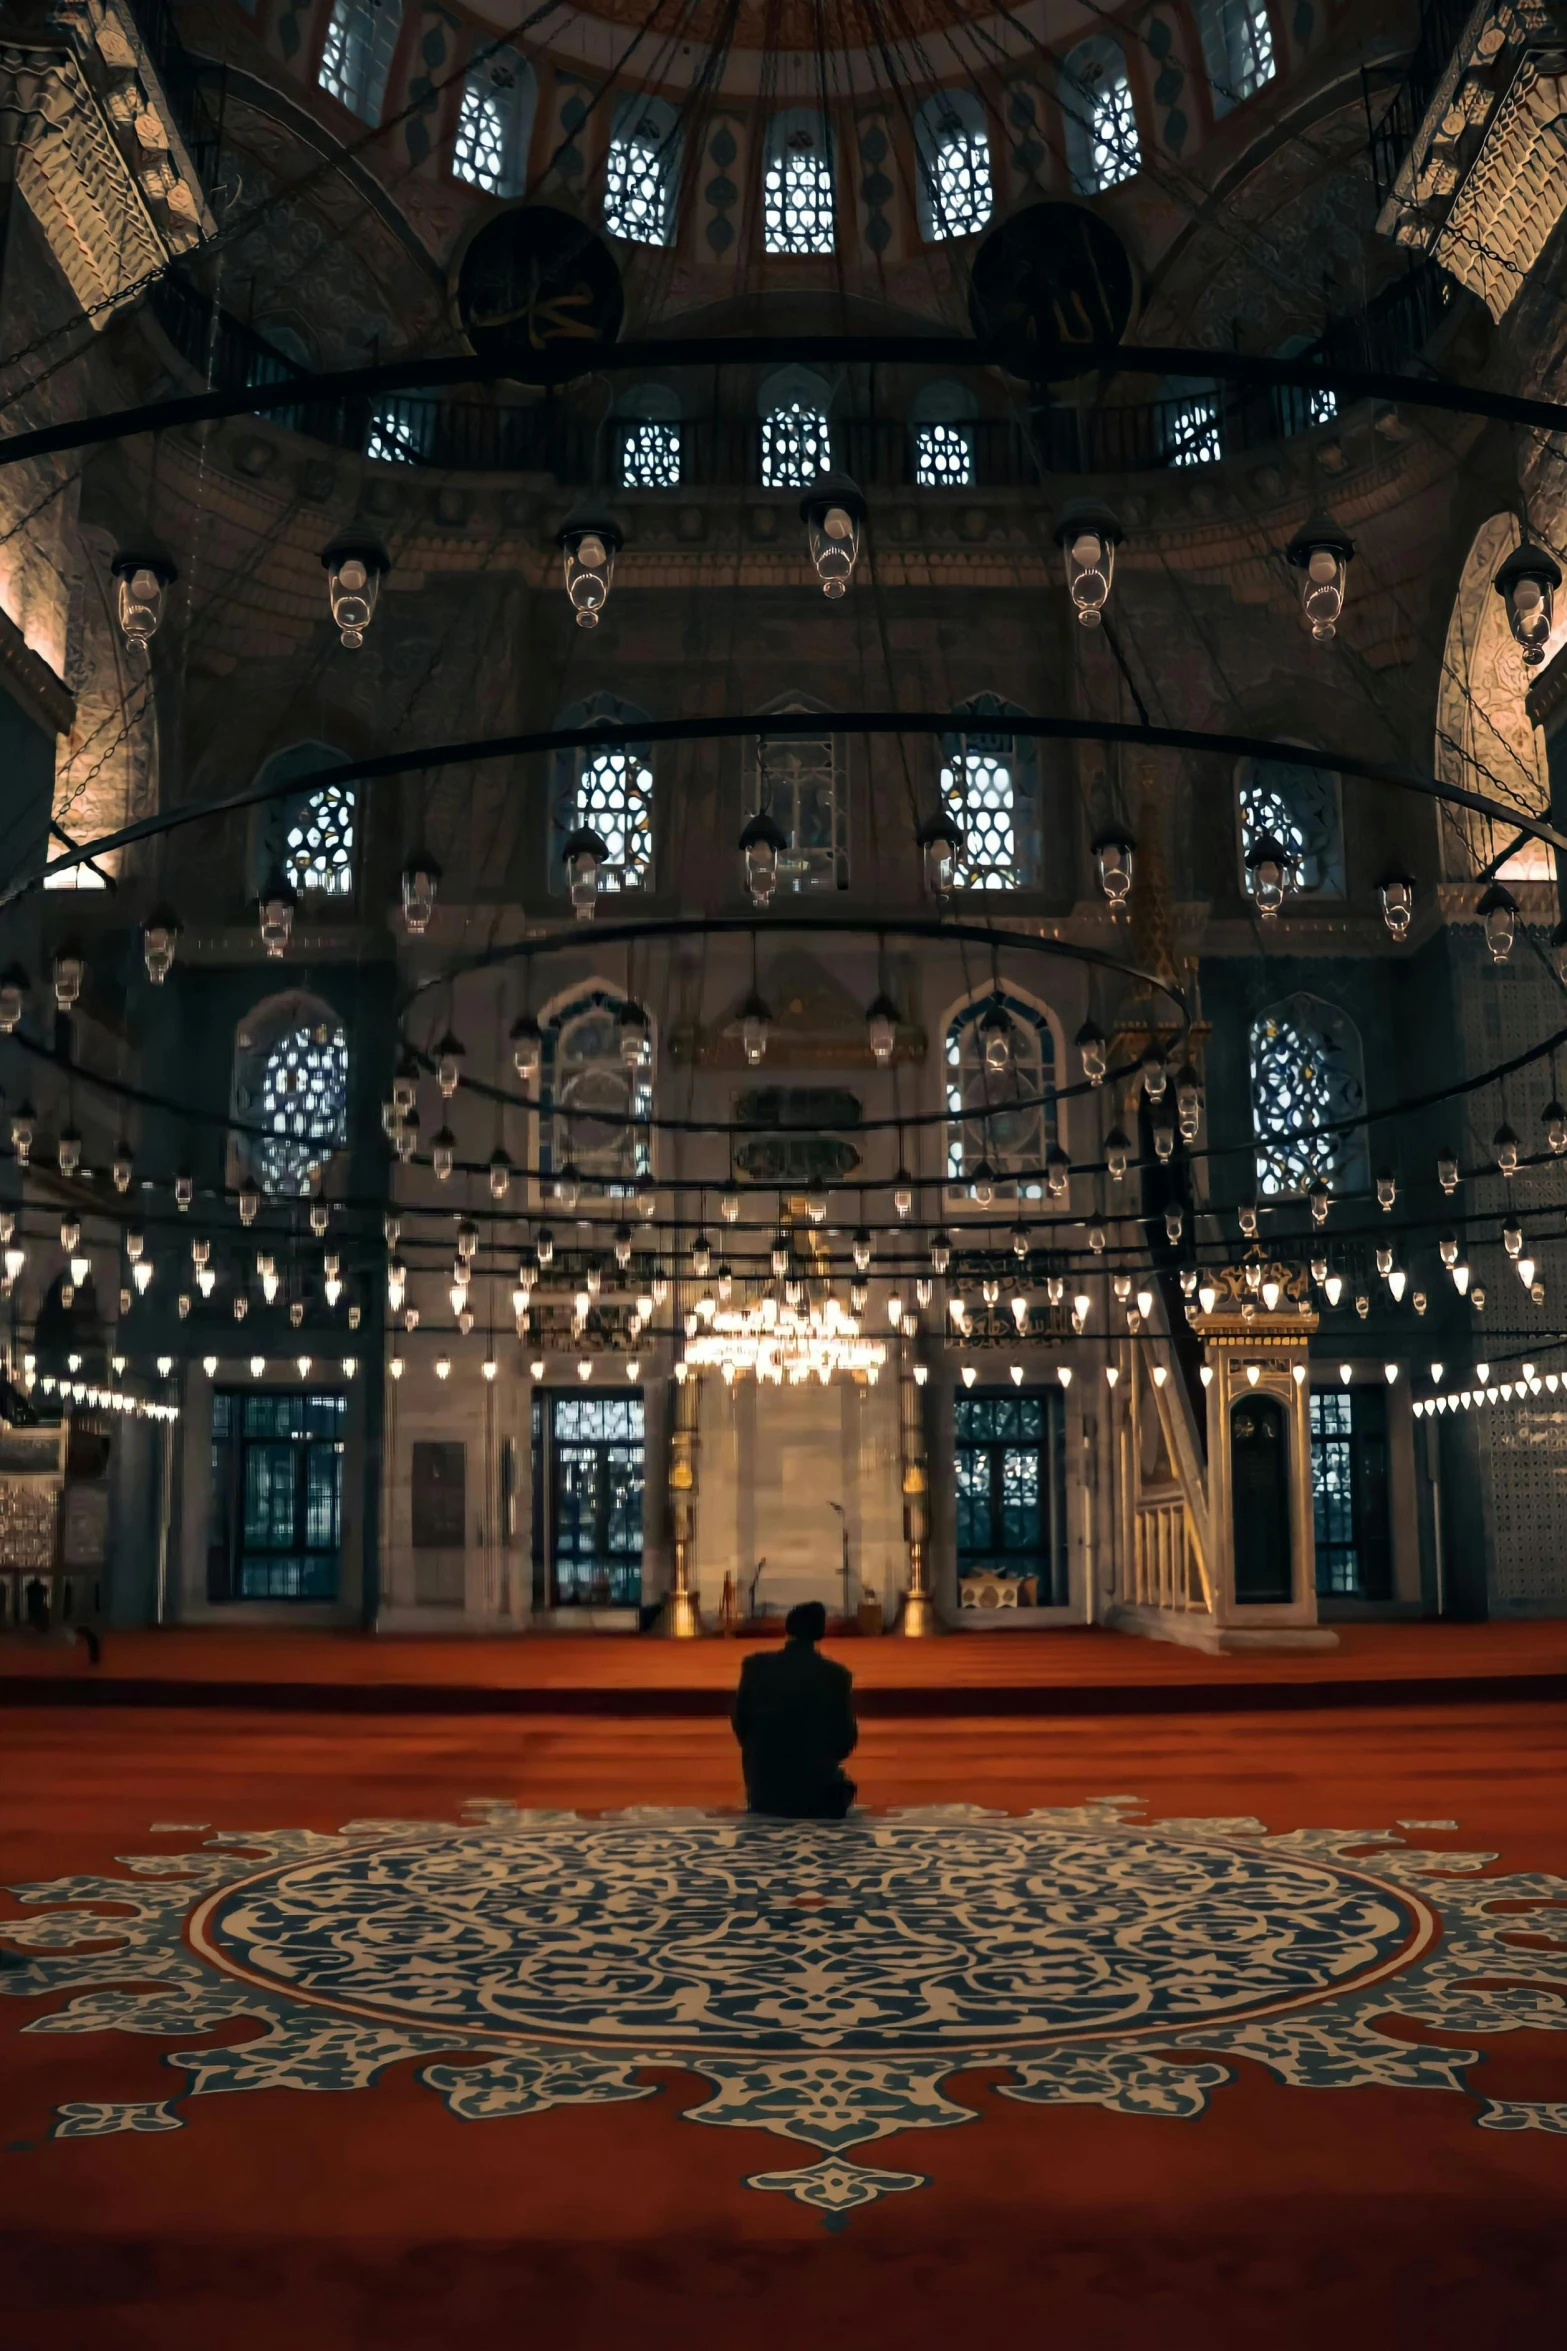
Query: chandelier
[781, 1342]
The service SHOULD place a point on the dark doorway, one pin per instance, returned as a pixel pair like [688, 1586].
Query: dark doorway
[1260, 1500]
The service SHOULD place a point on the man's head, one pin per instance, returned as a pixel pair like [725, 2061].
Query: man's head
[808, 1622]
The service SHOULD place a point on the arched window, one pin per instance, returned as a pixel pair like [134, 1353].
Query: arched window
[1299, 407]
[800, 781]
[942, 419]
[952, 144]
[495, 124]
[1189, 415]
[1298, 806]
[1102, 144]
[612, 792]
[797, 192]
[1307, 1075]
[796, 440]
[361, 38]
[650, 441]
[590, 1099]
[1004, 1118]
[643, 172]
[290, 1092]
[401, 430]
[988, 786]
[306, 837]
[1237, 48]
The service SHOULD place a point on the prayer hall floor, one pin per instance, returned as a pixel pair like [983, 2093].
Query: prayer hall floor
[425, 2084]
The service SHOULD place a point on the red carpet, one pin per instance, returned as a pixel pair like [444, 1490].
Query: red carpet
[1282, 2214]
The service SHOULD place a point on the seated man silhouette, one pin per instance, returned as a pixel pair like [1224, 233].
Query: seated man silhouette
[794, 1719]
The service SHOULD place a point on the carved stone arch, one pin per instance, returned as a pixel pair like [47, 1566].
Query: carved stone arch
[1307, 1072]
[106, 769]
[1484, 738]
[274, 850]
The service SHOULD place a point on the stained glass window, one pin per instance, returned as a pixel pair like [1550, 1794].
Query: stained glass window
[798, 780]
[361, 37]
[650, 456]
[589, 1100]
[639, 180]
[1305, 1082]
[615, 797]
[961, 198]
[1006, 1117]
[1191, 428]
[987, 787]
[303, 1106]
[1299, 807]
[1009, 1481]
[943, 456]
[319, 843]
[1237, 48]
[796, 446]
[399, 432]
[1101, 122]
[797, 193]
[493, 128]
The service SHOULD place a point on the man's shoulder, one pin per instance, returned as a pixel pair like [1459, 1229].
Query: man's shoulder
[838, 1674]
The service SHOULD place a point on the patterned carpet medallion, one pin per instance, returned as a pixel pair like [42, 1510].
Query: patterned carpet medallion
[824, 1982]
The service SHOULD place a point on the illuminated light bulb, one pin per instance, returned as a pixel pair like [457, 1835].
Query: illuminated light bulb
[1207, 1297]
[585, 1368]
[940, 1253]
[258, 1364]
[1112, 1374]
[536, 1368]
[207, 1281]
[1333, 1288]
[1390, 1373]
[1020, 1311]
[921, 1374]
[1253, 1374]
[1526, 1272]
[1082, 1305]
[1395, 1282]
[1160, 1375]
[881, 1030]
[894, 1309]
[970, 1375]
[1298, 1374]
[1205, 1374]
[489, 1367]
[903, 1192]
[1271, 1293]
[1015, 1374]
[141, 1274]
[443, 1367]
[1483, 1374]
[1346, 1372]
[269, 1286]
[1461, 1279]
[241, 1306]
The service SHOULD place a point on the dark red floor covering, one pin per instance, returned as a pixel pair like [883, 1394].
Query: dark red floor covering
[1282, 2218]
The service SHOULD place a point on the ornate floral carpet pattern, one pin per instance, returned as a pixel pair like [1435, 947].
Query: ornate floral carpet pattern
[822, 1983]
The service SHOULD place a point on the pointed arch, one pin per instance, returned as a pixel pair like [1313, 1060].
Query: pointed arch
[290, 1092]
[1307, 1074]
[1485, 740]
[1008, 1118]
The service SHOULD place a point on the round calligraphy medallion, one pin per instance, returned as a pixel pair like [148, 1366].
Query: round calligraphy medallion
[1052, 282]
[534, 282]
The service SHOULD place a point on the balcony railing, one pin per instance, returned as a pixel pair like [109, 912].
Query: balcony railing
[1193, 425]
[1394, 129]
